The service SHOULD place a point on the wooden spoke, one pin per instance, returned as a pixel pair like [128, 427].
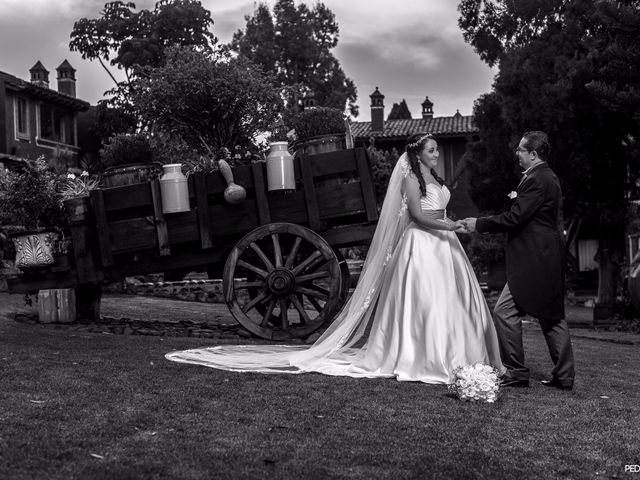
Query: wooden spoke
[284, 318]
[319, 289]
[240, 285]
[262, 256]
[304, 316]
[254, 301]
[277, 251]
[315, 304]
[267, 314]
[314, 258]
[259, 271]
[293, 252]
[313, 276]
[312, 293]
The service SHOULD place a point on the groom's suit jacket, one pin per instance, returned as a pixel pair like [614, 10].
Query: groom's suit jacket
[535, 244]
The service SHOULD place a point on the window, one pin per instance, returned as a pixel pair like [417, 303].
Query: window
[21, 118]
[55, 125]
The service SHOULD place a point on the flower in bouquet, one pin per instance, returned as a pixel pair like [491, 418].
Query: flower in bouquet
[75, 186]
[477, 382]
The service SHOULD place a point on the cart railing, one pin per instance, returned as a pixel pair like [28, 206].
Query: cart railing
[123, 231]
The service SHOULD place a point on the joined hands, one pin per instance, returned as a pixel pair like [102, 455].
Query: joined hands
[468, 225]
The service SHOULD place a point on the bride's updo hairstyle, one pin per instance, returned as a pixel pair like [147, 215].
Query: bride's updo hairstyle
[415, 145]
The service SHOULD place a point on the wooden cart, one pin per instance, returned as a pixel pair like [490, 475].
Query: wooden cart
[283, 275]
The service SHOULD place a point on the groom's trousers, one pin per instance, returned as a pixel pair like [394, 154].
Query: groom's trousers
[507, 318]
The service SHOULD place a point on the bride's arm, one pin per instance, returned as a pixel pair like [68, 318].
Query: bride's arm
[422, 218]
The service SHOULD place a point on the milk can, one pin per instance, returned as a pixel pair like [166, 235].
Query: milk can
[174, 189]
[280, 171]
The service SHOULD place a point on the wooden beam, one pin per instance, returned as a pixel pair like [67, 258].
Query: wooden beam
[162, 234]
[332, 163]
[104, 244]
[356, 234]
[202, 208]
[57, 305]
[83, 238]
[310, 198]
[366, 182]
[262, 201]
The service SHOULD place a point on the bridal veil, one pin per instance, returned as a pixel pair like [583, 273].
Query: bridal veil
[333, 352]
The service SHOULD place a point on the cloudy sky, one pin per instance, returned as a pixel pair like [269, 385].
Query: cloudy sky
[409, 48]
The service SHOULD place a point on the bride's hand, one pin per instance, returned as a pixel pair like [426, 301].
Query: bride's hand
[458, 226]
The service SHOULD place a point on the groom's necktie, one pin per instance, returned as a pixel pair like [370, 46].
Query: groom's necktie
[524, 177]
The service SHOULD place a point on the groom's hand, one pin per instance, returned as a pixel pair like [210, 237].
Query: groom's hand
[458, 226]
[470, 224]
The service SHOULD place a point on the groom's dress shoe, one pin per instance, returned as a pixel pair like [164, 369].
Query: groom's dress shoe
[554, 383]
[512, 382]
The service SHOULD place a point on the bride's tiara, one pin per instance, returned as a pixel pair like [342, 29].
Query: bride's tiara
[418, 142]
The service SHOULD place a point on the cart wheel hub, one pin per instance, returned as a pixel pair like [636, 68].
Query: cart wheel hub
[281, 282]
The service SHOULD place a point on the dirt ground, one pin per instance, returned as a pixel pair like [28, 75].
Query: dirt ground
[134, 307]
[158, 309]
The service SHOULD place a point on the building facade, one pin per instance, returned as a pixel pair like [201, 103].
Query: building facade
[452, 134]
[37, 120]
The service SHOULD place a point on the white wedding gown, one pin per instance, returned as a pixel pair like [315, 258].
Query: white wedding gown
[432, 315]
[418, 312]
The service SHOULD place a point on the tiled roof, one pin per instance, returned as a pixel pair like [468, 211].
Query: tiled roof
[17, 84]
[454, 125]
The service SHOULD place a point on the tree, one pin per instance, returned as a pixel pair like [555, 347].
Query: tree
[295, 44]
[399, 111]
[131, 40]
[489, 160]
[548, 53]
[211, 101]
[138, 39]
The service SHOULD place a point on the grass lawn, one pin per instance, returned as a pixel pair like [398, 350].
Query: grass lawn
[98, 406]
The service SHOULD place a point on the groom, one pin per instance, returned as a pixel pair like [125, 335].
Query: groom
[535, 266]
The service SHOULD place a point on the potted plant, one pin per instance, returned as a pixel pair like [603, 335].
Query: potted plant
[129, 159]
[319, 130]
[31, 212]
[74, 190]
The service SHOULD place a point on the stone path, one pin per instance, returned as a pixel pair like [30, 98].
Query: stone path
[129, 314]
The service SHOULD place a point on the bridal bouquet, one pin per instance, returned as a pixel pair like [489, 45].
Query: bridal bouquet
[477, 382]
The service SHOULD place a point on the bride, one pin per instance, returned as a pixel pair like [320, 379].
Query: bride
[417, 311]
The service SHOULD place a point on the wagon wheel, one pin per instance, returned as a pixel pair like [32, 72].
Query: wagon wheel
[345, 284]
[346, 277]
[283, 281]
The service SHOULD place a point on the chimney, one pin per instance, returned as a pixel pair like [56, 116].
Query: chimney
[39, 75]
[377, 111]
[66, 79]
[427, 108]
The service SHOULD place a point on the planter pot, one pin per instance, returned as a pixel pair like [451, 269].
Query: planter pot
[321, 144]
[77, 209]
[34, 249]
[130, 174]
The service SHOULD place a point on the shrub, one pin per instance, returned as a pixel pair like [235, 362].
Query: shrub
[31, 198]
[318, 121]
[485, 251]
[125, 149]
[382, 164]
